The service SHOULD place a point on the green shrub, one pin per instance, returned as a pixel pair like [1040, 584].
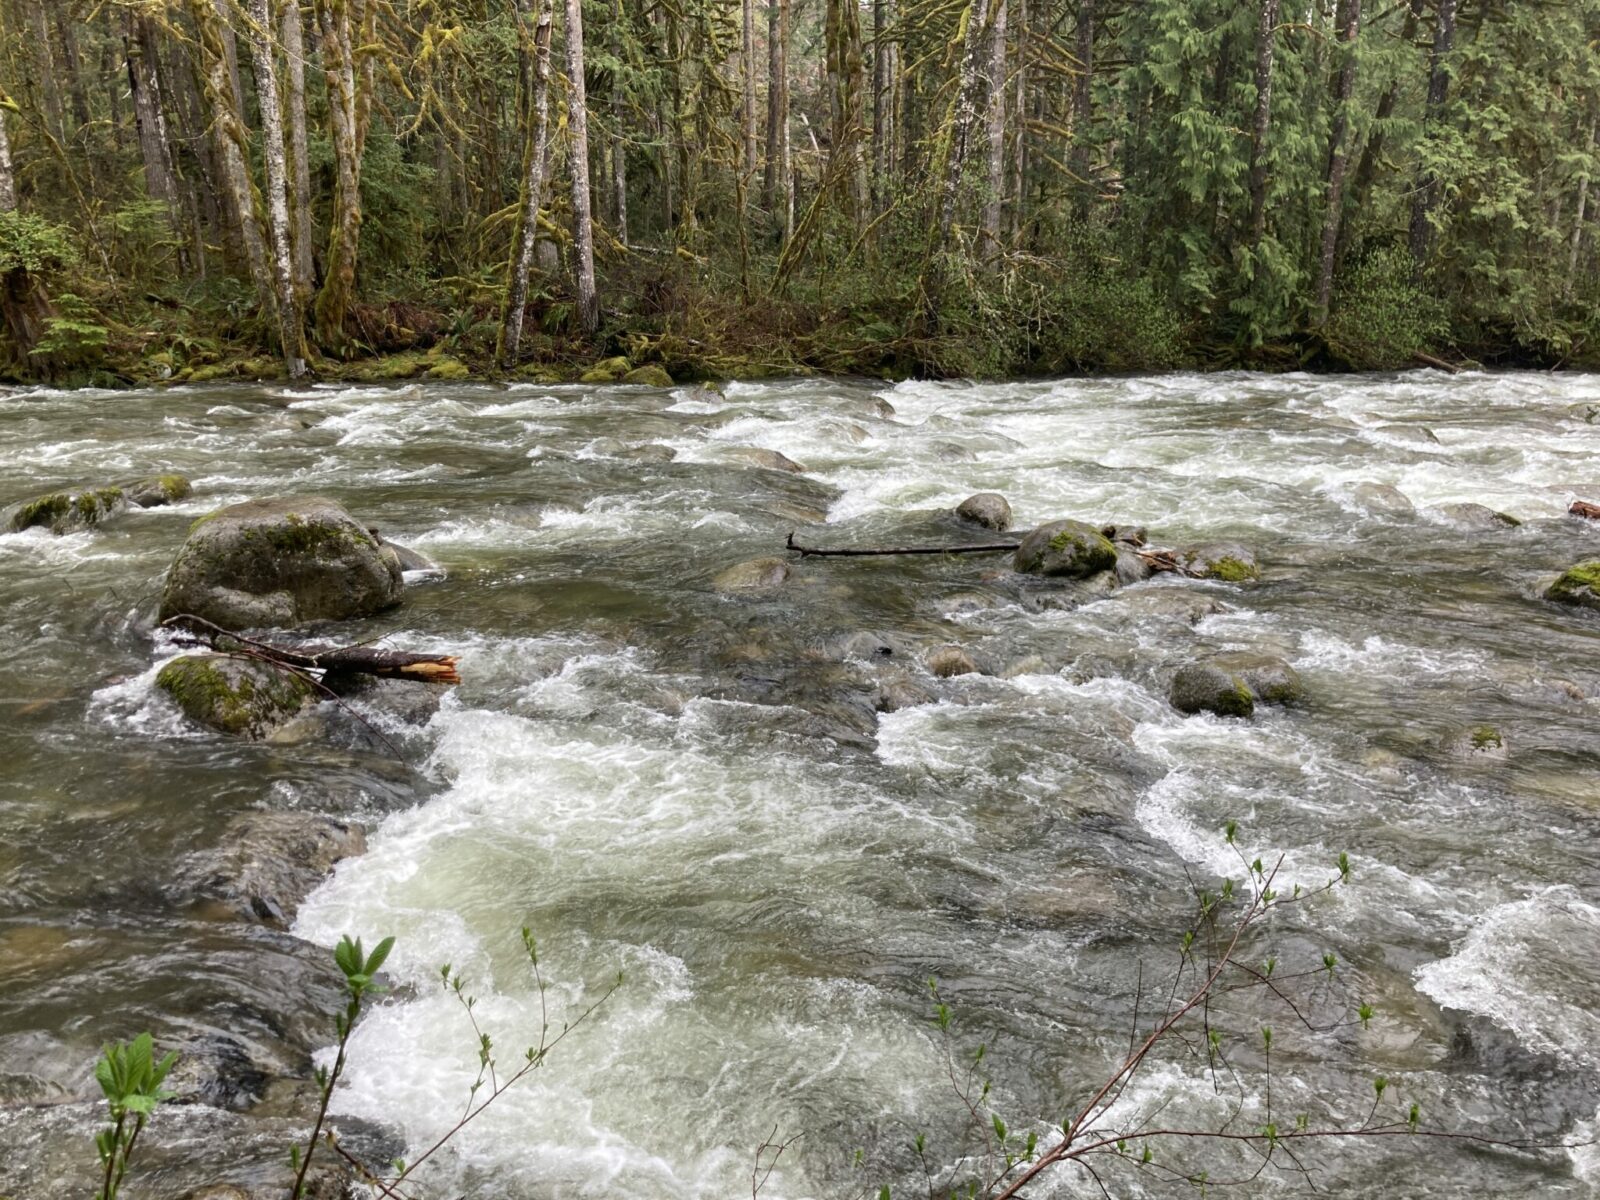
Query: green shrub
[1380, 318]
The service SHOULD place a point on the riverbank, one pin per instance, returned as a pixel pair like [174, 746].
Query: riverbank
[767, 807]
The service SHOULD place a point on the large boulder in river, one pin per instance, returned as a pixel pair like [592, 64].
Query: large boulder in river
[990, 510]
[65, 512]
[242, 696]
[281, 562]
[1231, 685]
[756, 575]
[1476, 516]
[153, 491]
[1578, 585]
[1065, 549]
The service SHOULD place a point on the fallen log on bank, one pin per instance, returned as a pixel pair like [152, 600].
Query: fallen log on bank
[355, 660]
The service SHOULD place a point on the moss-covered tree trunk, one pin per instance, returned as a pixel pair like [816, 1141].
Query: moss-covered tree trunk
[1349, 21]
[534, 23]
[578, 124]
[335, 27]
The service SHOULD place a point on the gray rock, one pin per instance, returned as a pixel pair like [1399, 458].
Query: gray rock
[1381, 498]
[949, 661]
[410, 560]
[990, 510]
[1416, 435]
[1227, 561]
[897, 690]
[155, 490]
[1578, 585]
[872, 647]
[650, 452]
[65, 512]
[268, 862]
[1476, 516]
[756, 457]
[1128, 535]
[1207, 687]
[281, 562]
[756, 575]
[947, 451]
[1176, 603]
[1130, 567]
[1270, 679]
[240, 696]
[1065, 549]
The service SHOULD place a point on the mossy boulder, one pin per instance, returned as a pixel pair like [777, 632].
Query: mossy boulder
[1065, 549]
[1578, 585]
[65, 512]
[156, 490]
[1476, 743]
[281, 562]
[446, 367]
[1227, 561]
[1270, 679]
[1207, 687]
[988, 510]
[240, 696]
[407, 365]
[1476, 516]
[650, 375]
[607, 370]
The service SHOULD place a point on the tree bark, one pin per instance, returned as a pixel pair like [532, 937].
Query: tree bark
[1082, 108]
[294, 55]
[1266, 36]
[72, 66]
[24, 303]
[336, 30]
[775, 184]
[842, 35]
[1349, 20]
[1578, 216]
[994, 178]
[963, 117]
[1444, 41]
[534, 13]
[1368, 166]
[748, 58]
[291, 328]
[149, 118]
[578, 124]
[231, 142]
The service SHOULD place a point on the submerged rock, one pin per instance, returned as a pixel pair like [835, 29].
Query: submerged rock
[1227, 561]
[240, 696]
[990, 510]
[650, 452]
[281, 562]
[65, 512]
[268, 862]
[1065, 549]
[756, 575]
[755, 456]
[897, 690]
[156, 490]
[1579, 585]
[949, 661]
[1476, 516]
[1179, 604]
[1270, 679]
[1131, 568]
[1475, 743]
[1381, 498]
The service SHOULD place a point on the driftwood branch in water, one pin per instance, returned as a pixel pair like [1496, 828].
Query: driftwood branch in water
[364, 660]
[880, 551]
[1156, 560]
[1428, 360]
[1582, 508]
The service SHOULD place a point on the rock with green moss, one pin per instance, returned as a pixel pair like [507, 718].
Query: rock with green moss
[1066, 550]
[650, 375]
[446, 367]
[1206, 687]
[281, 562]
[241, 696]
[1269, 678]
[607, 370]
[1227, 561]
[65, 512]
[1476, 743]
[156, 490]
[1578, 585]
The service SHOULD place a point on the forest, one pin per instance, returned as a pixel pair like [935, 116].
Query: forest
[202, 189]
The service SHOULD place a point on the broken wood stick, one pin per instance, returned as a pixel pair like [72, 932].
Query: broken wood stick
[363, 660]
[878, 551]
[1582, 508]
[1428, 360]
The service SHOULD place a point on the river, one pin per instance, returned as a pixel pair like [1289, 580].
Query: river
[698, 789]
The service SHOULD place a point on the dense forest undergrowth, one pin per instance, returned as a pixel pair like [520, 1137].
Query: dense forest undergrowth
[375, 189]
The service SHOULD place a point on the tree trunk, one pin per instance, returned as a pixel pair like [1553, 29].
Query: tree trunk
[1082, 109]
[1019, 146]
[1444, 41]
[40, 43]
[294, 54]
[336, 33]
[578, 123]
[748, 56]
[535, 13]
[1582, 210]
[291, 329]
[775, 184]
[994, 179]
[150, 122]
[1266, 36]
[1349, 20]
[72, 66]
[1368, 166]
[842, 36]
[24, 303]
[963, 117]
[619, 144]
[231, 143]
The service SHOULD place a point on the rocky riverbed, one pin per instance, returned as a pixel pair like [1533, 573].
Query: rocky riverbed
[779, 792]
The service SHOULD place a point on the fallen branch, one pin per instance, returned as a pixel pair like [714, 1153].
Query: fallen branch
[1429, 360]
[878, 551]
[363, 660]
[1582, 508]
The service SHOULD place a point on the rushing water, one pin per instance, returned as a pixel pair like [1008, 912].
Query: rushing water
[697, 790]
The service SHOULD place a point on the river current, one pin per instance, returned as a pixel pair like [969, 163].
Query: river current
[708, 793]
